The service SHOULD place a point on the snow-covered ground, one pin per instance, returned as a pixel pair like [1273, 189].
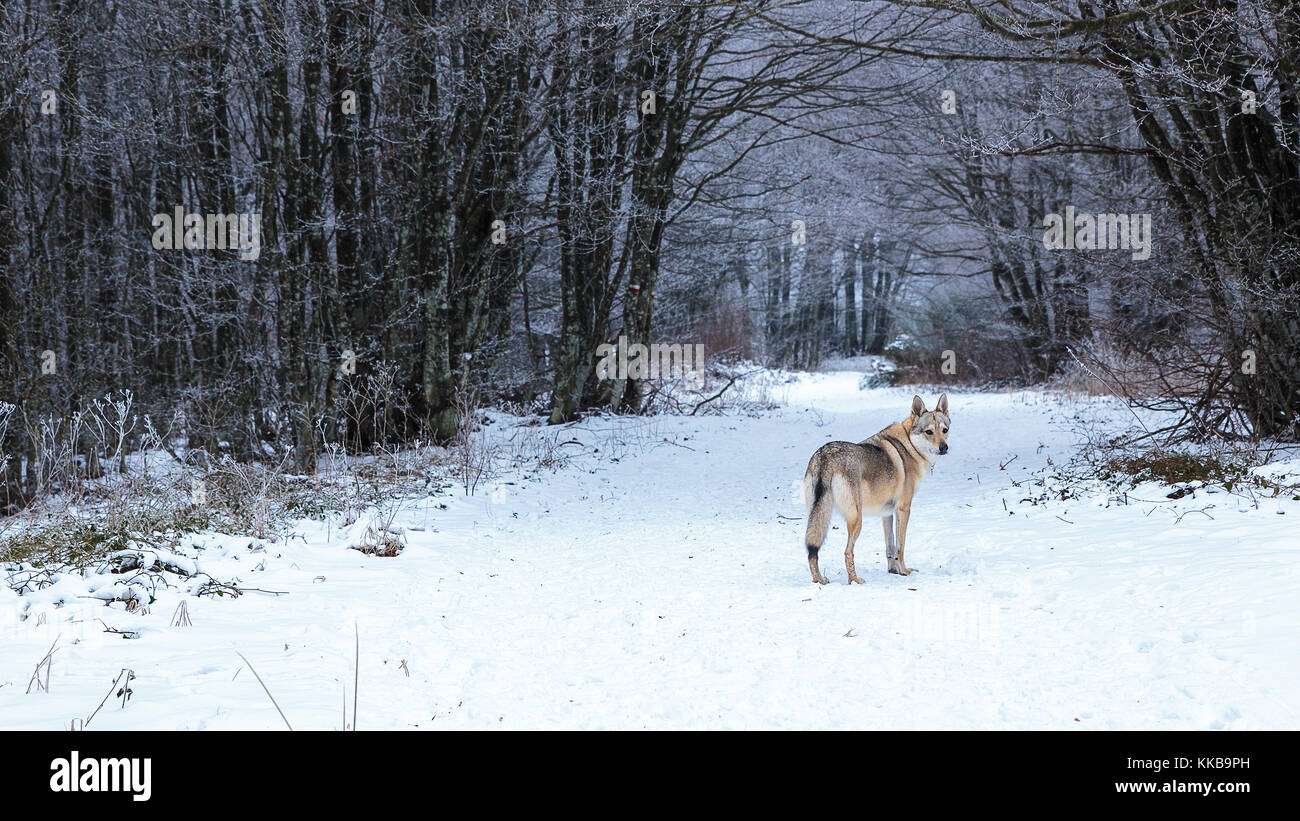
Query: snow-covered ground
[665, 586]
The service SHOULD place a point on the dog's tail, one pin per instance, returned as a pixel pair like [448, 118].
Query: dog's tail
[817, 499]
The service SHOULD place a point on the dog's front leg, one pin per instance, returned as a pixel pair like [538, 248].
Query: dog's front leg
[899, 566]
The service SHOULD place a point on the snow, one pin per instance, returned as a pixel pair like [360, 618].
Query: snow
[658, 580]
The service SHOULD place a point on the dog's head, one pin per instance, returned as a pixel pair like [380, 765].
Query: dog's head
[930, 428]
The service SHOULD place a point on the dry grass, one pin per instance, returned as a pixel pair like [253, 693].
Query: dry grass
[1103, 370]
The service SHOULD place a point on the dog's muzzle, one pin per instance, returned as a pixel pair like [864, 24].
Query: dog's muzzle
[943, 449]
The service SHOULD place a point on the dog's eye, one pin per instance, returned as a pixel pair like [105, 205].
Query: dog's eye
[945, 430]
[929, 433]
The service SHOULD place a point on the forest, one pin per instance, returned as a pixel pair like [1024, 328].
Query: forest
[265, 229]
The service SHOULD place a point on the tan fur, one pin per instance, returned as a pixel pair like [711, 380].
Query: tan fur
[876, 477]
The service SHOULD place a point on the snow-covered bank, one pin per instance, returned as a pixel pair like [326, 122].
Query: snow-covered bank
[669, 589]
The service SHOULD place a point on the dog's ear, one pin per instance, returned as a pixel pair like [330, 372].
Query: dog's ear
[918, 406]
[942, 407]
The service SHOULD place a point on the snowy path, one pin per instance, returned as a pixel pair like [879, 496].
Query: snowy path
[670, 590]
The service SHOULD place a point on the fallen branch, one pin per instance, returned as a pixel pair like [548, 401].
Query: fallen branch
[126, 634]
[716, 395]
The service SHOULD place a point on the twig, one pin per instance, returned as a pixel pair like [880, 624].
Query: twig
[1115, 391]
[48, 663]
[126, 671]
[678, 444]
[181, 618]
[268, 692]
[130, 634]
[1201, 511]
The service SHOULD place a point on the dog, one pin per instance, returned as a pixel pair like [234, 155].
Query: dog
[877, 477]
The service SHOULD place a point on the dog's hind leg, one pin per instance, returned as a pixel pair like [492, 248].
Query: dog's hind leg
[855, 527]
[891, 542]
[818, 498]
[812, 566]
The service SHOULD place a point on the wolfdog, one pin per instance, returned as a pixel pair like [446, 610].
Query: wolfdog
[875, 478]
